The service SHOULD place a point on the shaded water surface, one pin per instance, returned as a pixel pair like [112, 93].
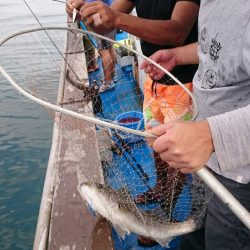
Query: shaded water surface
[25, 135]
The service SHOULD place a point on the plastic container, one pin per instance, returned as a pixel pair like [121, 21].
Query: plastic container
[132, 120]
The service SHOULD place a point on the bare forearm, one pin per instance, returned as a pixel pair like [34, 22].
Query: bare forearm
[149, 30]
[173, 31]
[186, 54]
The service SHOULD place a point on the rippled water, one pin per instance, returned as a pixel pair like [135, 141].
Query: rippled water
[25, 135]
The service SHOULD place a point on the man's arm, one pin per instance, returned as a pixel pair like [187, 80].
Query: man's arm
[107, 16]
[169, 58]
[184, 145]
[188, 145]
[231, 137]
[122, 6]
[162, 32]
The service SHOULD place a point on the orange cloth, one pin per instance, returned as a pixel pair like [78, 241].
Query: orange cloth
[164, 103]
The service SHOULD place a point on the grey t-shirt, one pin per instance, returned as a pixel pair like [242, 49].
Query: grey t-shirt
[222, 84]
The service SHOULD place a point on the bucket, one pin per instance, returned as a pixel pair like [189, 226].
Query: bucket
[133, 120]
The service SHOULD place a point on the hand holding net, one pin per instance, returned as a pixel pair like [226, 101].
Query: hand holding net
[161, 202]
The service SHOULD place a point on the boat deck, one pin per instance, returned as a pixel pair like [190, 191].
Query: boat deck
[65, 221]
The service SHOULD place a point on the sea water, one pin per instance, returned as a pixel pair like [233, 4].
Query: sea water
[25, 135]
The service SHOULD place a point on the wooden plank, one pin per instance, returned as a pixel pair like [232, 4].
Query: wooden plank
[72, 224]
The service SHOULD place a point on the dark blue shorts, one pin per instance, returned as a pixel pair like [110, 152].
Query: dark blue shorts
[222, 230]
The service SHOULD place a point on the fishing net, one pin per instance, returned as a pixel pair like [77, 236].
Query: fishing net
[139, 193]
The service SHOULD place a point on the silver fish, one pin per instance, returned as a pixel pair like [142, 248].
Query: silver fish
[121, 211]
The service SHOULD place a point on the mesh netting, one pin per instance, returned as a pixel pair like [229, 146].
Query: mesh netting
[140, 193]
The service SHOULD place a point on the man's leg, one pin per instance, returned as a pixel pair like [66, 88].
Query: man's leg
[108, 65]
[112, 53]
[90, 55]
[108, 57]
[194, 241]
[224, 231]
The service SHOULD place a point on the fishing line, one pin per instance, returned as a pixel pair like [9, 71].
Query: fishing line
[46, 50]
[51, 40]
